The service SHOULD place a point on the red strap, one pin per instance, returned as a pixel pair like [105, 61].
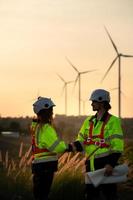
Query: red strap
[102, 128]
[104, 123]
[35, 149]
[101, 135]
[90, 129]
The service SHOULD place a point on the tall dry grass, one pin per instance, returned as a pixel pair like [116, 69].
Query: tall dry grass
[68, 181]
[17, 173]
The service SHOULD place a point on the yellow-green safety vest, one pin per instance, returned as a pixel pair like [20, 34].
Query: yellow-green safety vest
[45, 143]
[113, 137]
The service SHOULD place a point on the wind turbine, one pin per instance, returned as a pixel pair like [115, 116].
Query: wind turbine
[118, 56]
[116, 88]
[78, 78]
[65, 88]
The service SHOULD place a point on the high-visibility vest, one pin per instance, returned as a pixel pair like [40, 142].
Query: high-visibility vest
[90, 139]
[107, 135]
[45, 143]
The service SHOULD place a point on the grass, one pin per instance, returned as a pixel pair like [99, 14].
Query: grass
[16, 177]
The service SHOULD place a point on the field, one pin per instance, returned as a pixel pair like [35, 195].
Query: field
[16, 177]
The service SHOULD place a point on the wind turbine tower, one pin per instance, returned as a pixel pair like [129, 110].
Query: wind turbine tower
[65, 88]
[118, 56]
[78, 78]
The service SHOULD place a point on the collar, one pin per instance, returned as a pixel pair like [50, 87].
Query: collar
[103, 118]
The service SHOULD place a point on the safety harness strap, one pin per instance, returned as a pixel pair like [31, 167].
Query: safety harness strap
[90, 140]
[35, 148]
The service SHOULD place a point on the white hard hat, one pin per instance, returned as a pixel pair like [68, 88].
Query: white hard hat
[100, 95]
[42, 103]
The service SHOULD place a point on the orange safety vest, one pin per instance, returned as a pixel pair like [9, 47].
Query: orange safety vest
[90, 139]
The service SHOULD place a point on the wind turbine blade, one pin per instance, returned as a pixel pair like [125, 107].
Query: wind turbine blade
[127, 56]
[61, 78]
[70, 82]
[109, 68]
[111, 41]
[76, 79]
[117, 89]
[75, 82]
[123, 94]
[88, 71]
[114, 89]
[72, 65]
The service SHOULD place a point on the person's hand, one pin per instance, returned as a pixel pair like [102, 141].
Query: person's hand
[78, 146]
[74, 147]
[69, 148]
[108, 170]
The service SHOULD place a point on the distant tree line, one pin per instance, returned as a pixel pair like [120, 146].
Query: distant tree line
[66, 126]
[17, 124]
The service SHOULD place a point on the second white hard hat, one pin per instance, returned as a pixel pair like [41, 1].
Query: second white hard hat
[100, 95]
[42, 103]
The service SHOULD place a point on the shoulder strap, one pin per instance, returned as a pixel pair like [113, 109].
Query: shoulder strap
[102, 128]
[103, 125]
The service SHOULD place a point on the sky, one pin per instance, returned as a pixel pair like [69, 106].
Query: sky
[36, 36]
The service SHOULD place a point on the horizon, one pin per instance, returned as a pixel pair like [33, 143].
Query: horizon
[37, 36]
[55, 115]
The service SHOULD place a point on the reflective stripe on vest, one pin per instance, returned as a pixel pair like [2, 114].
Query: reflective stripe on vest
[47, 159]
[53, 146]
[102, 142]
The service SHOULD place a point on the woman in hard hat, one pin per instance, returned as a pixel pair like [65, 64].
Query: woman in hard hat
[45, 146]
[101, 138]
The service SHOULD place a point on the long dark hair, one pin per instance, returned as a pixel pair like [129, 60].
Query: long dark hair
[106, 105]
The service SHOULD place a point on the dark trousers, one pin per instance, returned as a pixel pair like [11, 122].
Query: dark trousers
[102, 192]
[41, 184]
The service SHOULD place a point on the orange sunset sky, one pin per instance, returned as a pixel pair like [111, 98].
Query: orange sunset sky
[37, 35]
